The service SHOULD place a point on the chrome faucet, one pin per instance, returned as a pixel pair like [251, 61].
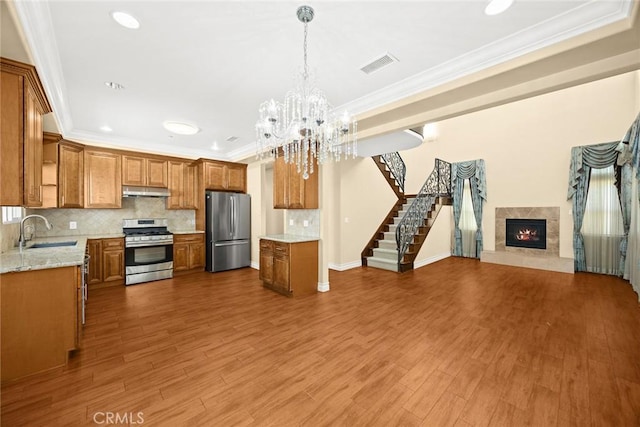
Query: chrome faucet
[23, 239]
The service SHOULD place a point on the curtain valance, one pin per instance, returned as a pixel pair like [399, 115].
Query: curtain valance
[471, 169]
[593, 156]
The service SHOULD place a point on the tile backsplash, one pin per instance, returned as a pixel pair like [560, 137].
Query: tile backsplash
[9, 235]
[108, 221]
[295, 222]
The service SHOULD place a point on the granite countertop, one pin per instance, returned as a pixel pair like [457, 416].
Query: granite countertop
[290, 238]
[187, 231]
[42, 258]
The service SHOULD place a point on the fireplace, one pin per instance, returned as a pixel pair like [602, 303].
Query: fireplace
[526, 233]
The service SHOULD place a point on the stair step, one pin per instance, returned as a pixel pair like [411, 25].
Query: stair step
[388, 244]
[390, 254]
[392, 227]
[388, 235]
[382, 263]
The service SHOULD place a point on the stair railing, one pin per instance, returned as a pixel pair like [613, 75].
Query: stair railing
[396, 166]
[437, 184]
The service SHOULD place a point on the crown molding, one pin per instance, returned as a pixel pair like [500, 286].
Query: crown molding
[35, 19]
[596, 14]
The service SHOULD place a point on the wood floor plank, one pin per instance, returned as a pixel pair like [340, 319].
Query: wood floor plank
[457, 342]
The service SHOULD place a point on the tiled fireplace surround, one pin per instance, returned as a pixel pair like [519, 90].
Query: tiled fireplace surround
[543, 259]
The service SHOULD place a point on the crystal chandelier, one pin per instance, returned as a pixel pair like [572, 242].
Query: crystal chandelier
[304, 128]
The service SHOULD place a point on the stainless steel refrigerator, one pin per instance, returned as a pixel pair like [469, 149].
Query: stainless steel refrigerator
[228, 228]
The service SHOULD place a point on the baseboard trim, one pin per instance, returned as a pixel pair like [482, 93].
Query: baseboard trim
[323, 286]
[431, 260]
[255, 265]
[345, 266]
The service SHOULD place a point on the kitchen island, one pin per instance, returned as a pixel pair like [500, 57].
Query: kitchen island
[289, 264]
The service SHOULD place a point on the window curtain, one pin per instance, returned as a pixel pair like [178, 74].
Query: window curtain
[584, 158]
[474, 171]
[630, 158]
[602, 225]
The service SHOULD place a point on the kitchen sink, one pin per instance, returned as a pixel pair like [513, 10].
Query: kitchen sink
[53, 244]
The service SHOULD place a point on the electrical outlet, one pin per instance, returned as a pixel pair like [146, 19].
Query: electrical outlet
[290, 222]
[346, 220]
[73, 225]
[305, 223]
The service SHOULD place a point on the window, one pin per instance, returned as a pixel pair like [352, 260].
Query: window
[602, 226]
[11, 214]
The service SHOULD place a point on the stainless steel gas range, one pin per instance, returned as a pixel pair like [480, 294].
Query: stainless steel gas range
[148, 250]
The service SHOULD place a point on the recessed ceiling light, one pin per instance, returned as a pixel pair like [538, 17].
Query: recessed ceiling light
[114, 85]
[496, 7]
[215, 146]
[106, 128]
[125, 19]
[181, 128]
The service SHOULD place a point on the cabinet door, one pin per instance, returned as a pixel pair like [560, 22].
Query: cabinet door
[280, 184]
[190, 193]
[296, 188]
[11, 151]
[94, 249]
[156, 173]
[237, 178]
[176, 185]
[196, 255]
[281, 272]
[32, 150]
[103, 179]
[70, 176]
[266, 267]
[112, 265]
[133, 171]
[215, 176]
[180, 256]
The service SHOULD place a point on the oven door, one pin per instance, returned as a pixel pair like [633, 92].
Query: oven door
[148, 258]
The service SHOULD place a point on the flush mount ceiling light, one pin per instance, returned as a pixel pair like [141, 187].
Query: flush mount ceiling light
[304, 127]
[106, 128]
[496, 7]
[125, 19]
[181, 128]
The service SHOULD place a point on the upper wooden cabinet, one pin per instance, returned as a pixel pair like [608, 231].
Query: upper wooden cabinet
[102, 179]
[23, 103]
[70, 175]
[290, 190]
[145, 172]
[183, 185]
[225, 176]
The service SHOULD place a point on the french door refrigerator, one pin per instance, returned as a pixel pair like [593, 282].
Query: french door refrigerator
[228, 230]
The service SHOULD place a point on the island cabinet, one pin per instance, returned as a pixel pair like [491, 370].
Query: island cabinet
[41, 322]
[106, 265]
[23, 104]
[290, 189]
[224, 176]
[144, 172]
[102, 179]
[188, 253]
[183, 185]
[289, 268]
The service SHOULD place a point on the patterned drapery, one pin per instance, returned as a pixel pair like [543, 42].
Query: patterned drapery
[475, 172]
[631, 160]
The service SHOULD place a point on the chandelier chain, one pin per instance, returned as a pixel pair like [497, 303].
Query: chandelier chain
[306, 69]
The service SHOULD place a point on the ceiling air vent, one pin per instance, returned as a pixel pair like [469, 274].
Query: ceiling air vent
[232, 139]
[379, 63]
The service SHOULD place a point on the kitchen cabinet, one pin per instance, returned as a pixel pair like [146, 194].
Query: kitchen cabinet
[23, 104]
[188, 252]
[290, 189]
[39, 324]
[62, 173]
[144, 172]
[106, 265]
[289, 268]
[102, 179]
[225, 176]
[183, 185]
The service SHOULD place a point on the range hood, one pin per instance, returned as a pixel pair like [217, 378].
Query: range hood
[130, 191]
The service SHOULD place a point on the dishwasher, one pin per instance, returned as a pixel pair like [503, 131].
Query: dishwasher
[84, 290]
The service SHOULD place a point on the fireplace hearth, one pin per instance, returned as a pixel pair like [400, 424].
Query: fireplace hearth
[526, 233]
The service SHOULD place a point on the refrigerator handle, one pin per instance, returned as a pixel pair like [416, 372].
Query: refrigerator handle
[233, 216]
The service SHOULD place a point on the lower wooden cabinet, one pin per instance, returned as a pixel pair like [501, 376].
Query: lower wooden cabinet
[188, 253]
[289, 268]
[106, 265]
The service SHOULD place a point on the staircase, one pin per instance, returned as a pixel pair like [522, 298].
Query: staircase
[393, 169]
[399, 238]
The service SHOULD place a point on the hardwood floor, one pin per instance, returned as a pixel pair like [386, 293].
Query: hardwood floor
[457, 343]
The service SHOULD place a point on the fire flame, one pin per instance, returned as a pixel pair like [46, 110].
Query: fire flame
[527, 234]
